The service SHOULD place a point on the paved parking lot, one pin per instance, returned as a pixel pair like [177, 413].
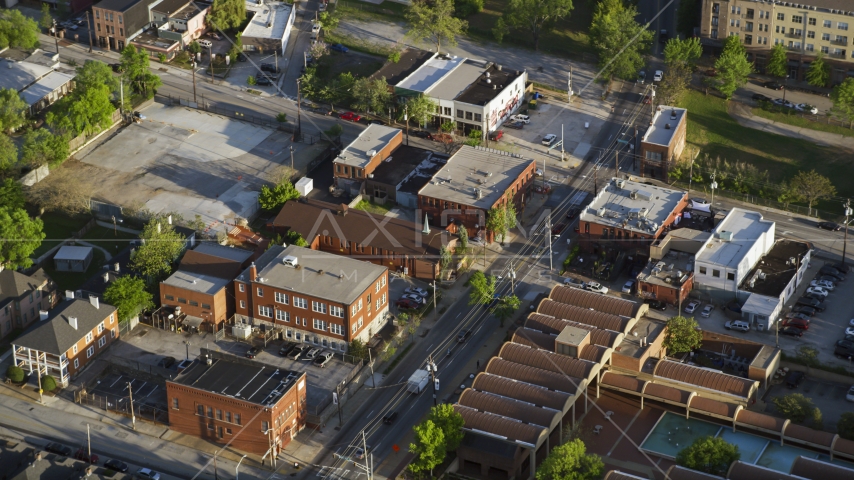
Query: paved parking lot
[829, 397]
[117, 388]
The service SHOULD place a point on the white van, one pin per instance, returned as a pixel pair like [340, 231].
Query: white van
[204, 43]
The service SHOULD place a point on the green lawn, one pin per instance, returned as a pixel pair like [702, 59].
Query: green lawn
[113, 241]
[717, 134]
[71, 280]
[359, 10]
[371, 207]
[58, 227]
[790, 117]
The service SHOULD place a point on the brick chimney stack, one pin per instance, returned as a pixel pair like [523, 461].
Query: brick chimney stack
[253, 272]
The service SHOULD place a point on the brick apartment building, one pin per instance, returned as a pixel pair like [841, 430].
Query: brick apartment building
[22, 297]
[67, 338]
[663, 142]
[175, 24]
[400, 245]
[202, 285]
[316, 297]
[250, 406]
[473, 181]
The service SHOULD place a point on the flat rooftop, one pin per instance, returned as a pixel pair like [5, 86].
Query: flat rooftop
[320, 274]
[456, 82]
[430, 73]
[374, 138]
[69, 252]
[476, 169]
[275, 13]
[19, 75]
[633, 206]
[229, 253]
[745, 227]
[196, 282]
[777, 268]
[402, 162]
[44, 86]
[488, 85]
[154, 41]
[671, 271]
[239, 378]
[665, 122]
[646, 328]
[411, 60]
[423, 174]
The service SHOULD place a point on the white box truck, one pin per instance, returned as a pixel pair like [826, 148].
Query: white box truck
[418, 381]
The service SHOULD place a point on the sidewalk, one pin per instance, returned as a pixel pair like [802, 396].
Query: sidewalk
[743, 115]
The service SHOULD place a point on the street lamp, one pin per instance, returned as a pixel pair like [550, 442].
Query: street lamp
[784, 90]
[291, 147]
[187, 344]
[236, 473]
[714, 185]
[298, 133]
[845, 241]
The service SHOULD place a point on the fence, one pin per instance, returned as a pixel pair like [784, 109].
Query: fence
[75, 143]
[765, 202]
[122, 406]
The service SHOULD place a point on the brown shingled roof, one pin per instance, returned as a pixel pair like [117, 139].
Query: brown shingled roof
[534, 339]
[702, 377]
[844, 446]
[666, 393]
[535, 376]
[805, 434]
[601, 303]
[617, 475]
[594, 353]
[713, 407]
[204, 264]
[500, 426]
[676, 472]
[760, 420]
[526, 392]
[552, 362]
[625, 382]
[508, 407]
[584, 315]
[817, 470]
[553, 325]
[746, 471]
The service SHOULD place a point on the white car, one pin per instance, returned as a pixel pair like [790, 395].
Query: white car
[627, 288]
[415, 298]
[851, 322]
[849, 331]
[818, 291]
[148, 473]
[658, 76]
[692, 306]
[707, 310]
[416, 291]
[850, 395]
[803, 107]
[596, 287]
[825, 284]
[549, 139]
[521, 118]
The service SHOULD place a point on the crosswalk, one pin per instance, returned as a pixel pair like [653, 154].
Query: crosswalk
[335, 473]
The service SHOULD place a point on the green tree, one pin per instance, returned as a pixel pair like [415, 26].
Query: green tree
[571, 461]
[683, 335]
[358, 349]
[687, 17]
[819, 72]
[509, 214]
[329, 21]
[732, 67]
[12, 110]
[464, 238]
[282, 117]
[708, 454]
[496, 222]
[21, 236]
[445, 259]
[482, 288]
[611, 34]
[536, 16]
[812, 187]
[500, 29]
[161, 247]
[41, 147]
[474, 139]
[807, 355]
[194, 47]
[135, 69]
[128, 295]
[434, 22]
[371, 95]
[786, 194]
[418, 109]
[294, 238]
[842, 97]
[467, 8]
[777, 61]
[11, 195]
[450, 423]
[46, 21]
[506, 308]
[795, 406]
[227, 14]
[8, 154]
[674, 85]
[95, 73]
[18, 30]
[48, 383]
[682, 52]
[844, 427]
[88, 108]
[334, 131]
[15, 374]
[273, 198]
[429, 447]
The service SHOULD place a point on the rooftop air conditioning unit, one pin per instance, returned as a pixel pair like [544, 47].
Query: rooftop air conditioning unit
[371, 153]
[621, 183]
[290, 261]
[601, 212]
[726, 236]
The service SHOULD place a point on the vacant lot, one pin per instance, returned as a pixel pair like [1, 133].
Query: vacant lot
[112, 240]
[813, 122]
[58, 227]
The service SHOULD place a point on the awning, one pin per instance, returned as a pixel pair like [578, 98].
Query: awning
[191, 321]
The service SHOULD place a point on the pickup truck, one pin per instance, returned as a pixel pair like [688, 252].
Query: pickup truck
[418, 381]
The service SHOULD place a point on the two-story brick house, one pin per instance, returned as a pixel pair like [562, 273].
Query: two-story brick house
[67, 338]
[316, 297]
[663, 142]
[22, 297]
[356, 163]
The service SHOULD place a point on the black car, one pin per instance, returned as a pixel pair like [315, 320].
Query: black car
[760, 98]
[655, 304]
[166, 362]
[514, 125]
[827, 270]
[794, 379]
[811, 302]
[262, 80]
[241, 57]
[842, 267]
[389, 418]
[791, 331]
[376, 122]
[772, 85]
[269, 67]
[833, 227]
[814, 295]
[829, 278]
[286, 349]
[463, 336]
[804, 310]
[421, 134]
[116, 466]
[117, 67]
[58, 449]
[573, 212]
[253, 352]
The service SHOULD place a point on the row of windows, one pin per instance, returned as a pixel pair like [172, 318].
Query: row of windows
[717, 273]
[192, 303]
[91, 350]
[357, 172]
[477, 117]
[108, 16]
[209, 412]
[312, 338]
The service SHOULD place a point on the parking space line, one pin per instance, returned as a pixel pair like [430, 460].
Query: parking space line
[117, 380]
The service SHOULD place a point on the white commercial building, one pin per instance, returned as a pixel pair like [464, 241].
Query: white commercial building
[270, 27]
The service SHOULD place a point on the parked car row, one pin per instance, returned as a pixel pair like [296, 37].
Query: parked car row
[302, 351]
[83, 455]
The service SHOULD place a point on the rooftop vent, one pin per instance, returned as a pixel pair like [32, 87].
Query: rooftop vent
[43, 314]
[73, 322]
[371, 153]
[290, 261]
[667, 126]
[673, 114]
[726, 236]
[640, 195]
[621, 183]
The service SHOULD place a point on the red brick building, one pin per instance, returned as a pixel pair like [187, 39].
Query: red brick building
[397, 244]
[355, 164]
[663, 142]
[253, 407]
[473, 181]
[316, 297]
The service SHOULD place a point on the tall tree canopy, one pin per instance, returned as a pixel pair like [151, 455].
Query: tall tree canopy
[17, 30]
[819, 72]
[812, 187]
[842, 97]
[161, 247]
[135, 67]
[128, 295]
[685, 52]
[12, 110]
[777, 61]
[618, 39]
[571, 461]
[434, 22]
[21, 236]
[536, 16]
[683, 335]
[709, 454]
[732, 66]
[227, 14]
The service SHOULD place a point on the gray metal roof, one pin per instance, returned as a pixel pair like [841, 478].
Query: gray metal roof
[746, 227]
[45, 86]
[19, 75]
[274, 13]
[458, 80]
[55, 335]
[197, 282]
[632, 206]
[374, 138]
[429, 74]
[72, 253]
[664, 124]
[229, 253]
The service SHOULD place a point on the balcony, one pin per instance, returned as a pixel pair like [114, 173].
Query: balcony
[839, 42]
[837, 54]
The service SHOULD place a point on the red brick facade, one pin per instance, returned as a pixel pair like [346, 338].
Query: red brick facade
[346, 171]
[215, 308]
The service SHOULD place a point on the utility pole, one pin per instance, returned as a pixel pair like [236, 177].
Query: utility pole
[512, 279]
[616, 163]
[39, 377]
[371, 366]
[368, 468]
[210, 54]
[406, 119]
[193, 68]
[292, 156]
[338, 402]
[845, 241]
[434, 297]
[132, 414]
[548, 235]
[298, 133]
[691, 173]
[276, 60]
[56, 36]
[89, 27]
[596, 180]
[714, 185]
[569, 87]
[89, 441]
[561, 140]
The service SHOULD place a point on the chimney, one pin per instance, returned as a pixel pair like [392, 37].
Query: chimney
[94, 301]
[43, 314]
[117, 267]
[69, 294]
[169, 219]
[253, 272]
[106, 277]
[73, 322]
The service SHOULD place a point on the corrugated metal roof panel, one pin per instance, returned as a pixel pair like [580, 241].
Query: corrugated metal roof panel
[584, 315]
[601, 303]
[508, 407]
[527, 392]
[553, 362]
[501, 427]
[702, 377]
[537, 376]
[553, 325]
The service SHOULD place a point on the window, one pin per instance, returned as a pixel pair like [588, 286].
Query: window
[354, 328]
[210, 426]
[175, 403]
[810, 34]
[74, 350]
[182, 300]
[237, 418]
[811, 21]
[383, 300]
[318, 307]
[336, 329]
[97, 14]
[842, 25]
[122, 32]
[194, 303]
[842, 39]
[825, 50]
[260, 292]
[90, 351]
[319, 325]
[76, 363]
[797, 19]
[360, 322]
[825, 37]
[170, 297]
[120, 19]
[228, 417]
[242, 304]
[826, 24]
[730, 276]
[468, 116]
[781, 16]
[281, 298]
[716, 273]
[241, 287]
[200, 410]
[265, 311]
[702, 270]
[360, 304]
[101, 327]
[102, 341]
[336, 311]
[89, 337]
[383, 279]
[265, 426]
[283, 316]
[460, 114]
[478, 117]
[113, 333]
[300, 302]
[218, 414]
[799, 32]
[206, 305]
[228, 431]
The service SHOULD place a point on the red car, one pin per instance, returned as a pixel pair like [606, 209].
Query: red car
[84, 456]
[797, 323]
[350, 116]
[406, 303]
[647, 100]
[558, 229]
